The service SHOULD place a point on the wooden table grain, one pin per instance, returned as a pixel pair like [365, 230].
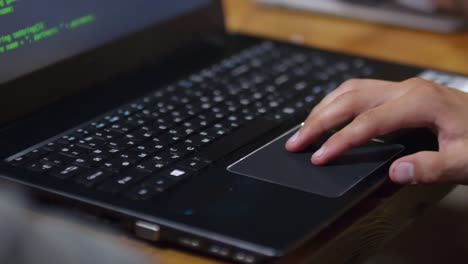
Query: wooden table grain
[442, 51]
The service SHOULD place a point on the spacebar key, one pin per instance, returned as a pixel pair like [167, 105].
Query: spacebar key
[237, 139]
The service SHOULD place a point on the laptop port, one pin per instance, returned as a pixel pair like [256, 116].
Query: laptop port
[219, 250]
[147, 230]
[189, 242]
[244, 257]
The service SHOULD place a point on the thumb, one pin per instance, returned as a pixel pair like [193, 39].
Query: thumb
[426, 167]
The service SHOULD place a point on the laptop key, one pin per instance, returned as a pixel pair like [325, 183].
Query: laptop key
[90, 142]
[237, 139]
[182, 148]
[137, 137]
[176, 173]
[96, 125]
[132, 155]
[167, 139]
[152, 165]
[123, 181]
[30, 156]
[194, 164]
[125, 143]
[91, 177]
[120, 128]
[84, 162]
[97, 156]
[159, 184]
[116, 164]
[106, 134]
[153, 146]
[55, 158]
[108, 150]
[41, 167]
[36, 153]
[141, 193]
[83, 132]
[54, 146]
[67, 171]
[72, 150]
[143, 149]
[19, 160]
[168, 156]
[70, 139]
[143, 134]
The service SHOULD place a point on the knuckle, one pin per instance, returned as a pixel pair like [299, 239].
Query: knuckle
[337, 137]
[318, 123]
[422, 87]
[415, 81]
[314, 123]
[426, 91]
[430, 172]
[365, 119]
[428, 178]
[343, 139]
[350, 84]
[342, 105]
[365, 123]
[347, 99]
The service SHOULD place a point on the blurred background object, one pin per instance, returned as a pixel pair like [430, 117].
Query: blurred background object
[30, 238]
[418, 14]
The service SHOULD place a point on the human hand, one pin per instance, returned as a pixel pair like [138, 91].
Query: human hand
[380, 107]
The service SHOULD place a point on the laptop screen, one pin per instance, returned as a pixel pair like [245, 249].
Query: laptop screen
[34, 34]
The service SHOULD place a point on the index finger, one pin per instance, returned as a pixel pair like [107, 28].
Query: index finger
[335, 111]
[349, 85]
[404, 112]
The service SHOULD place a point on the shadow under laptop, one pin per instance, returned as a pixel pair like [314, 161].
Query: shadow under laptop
[438, 236]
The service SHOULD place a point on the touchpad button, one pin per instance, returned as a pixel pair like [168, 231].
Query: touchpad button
[274, 164]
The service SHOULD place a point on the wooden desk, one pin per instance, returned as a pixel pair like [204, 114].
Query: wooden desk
[450, 52]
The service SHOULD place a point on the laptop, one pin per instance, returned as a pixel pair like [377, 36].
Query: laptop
[417, 14]
[148, 114]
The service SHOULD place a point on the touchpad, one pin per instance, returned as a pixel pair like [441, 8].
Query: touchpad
[274, 164]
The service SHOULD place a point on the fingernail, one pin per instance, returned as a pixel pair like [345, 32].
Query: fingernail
[319, 153]
[404, 173]
[294, 138]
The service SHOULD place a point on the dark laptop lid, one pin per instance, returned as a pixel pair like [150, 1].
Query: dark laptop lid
[52, 49]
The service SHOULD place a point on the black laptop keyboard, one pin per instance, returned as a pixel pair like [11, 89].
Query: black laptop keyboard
[152, 144]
